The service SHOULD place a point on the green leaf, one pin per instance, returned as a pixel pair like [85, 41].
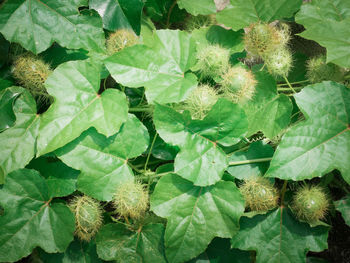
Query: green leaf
[200, 159]
[18, 142]
[36, 24]
[162, 69]
[267, 111]
[244, 170]
[219, 252]
[343, 206]
[4, 83]
[30, 218]
[78, 106]
[227, 38]
[103, 161]
[327, 22]
[198, 7]
[119, 13]
[116, 242]
[7, 116]
[195, 214]
[321, 143]
[277, 237]
[248, 12]
[61, 179]
[77, 252]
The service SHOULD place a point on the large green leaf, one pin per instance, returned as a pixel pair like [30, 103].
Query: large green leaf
[343, 206]
[7, 116]
[198, 7]
[116, 242]
[242, 168]
[78, 106]
[30, 218]
[322, 142]
[119, 13]
[18, 142]
[327, 22]
[267, 111]
[195, 214]
[103, 161]
[278, 238]
[61, 179]
[161, 69]
[241, 13]
[36, 24]
[200, 159]
[77, 252]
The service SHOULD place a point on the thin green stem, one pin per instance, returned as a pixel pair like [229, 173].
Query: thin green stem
[287, 88]
[150, 152]
[104, 83]
[290, 86]
[283, 192]
[293, 83]
[141, 109]
[262, 67]
[259, 160]
[119, 222]
[135, 168]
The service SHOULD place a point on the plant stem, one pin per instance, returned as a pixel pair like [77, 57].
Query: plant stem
[262, 67]
[135, 168]
[145, 109]
[169, 14]
[290, 86]
[287, 88]
[293, 83]
[283, 192]
[148, 156]
[259, 160]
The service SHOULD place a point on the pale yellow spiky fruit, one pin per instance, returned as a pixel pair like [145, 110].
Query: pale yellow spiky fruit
[279, 62]
[31, 72]
[310, 203]
[238, 84]
[131, 200]
[259, 194]
[319, 70]
[213, 60]
[120, 39]
[200, 101]
[88, 216]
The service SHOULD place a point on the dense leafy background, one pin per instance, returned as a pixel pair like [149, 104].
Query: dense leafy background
[119, 118]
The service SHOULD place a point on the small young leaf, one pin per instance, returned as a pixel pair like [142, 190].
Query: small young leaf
[277, 237]
[7, 116]
[30, 219]
[162, 70]
[322, 142]
[195, 214]
[116, 242]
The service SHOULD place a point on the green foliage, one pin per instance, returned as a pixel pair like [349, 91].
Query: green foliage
[174, 131]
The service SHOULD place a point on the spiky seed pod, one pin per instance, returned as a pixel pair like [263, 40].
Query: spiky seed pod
[310, 203]
[120, 39]
[88, 216]
[318, 70]
[196, 22]
[279, 62]
[238, 84]
[131, 200]
[259, 194]
[262, 38]
[213, 60]
[31, 73]
[200, 101]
